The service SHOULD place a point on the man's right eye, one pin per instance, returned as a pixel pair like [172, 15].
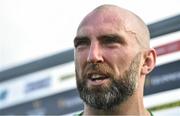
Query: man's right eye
[81, 42]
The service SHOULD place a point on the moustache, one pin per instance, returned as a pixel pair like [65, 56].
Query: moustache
[97, 68]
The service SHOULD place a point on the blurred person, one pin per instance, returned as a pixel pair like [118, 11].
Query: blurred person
[112, 58]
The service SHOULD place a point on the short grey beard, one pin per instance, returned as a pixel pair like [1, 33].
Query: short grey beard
[107, 98]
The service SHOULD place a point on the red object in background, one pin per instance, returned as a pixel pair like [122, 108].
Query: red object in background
[168, 48]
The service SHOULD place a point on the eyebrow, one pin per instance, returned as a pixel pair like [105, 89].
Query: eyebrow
[80, 38]
[117, 37]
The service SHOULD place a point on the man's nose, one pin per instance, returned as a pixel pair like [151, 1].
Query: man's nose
[95, 54]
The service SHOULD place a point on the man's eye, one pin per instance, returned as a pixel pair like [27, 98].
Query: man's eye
[81, 43]
[110, 40]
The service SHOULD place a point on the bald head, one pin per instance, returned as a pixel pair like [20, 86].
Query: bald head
[121, 19]
[112, 58]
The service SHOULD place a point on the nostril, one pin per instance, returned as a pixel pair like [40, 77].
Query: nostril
[94, 61]
[95, 58]
[99, 61]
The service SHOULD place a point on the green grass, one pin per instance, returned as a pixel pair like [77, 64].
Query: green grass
[165, 106]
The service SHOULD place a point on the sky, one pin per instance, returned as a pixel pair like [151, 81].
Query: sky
[33, 29]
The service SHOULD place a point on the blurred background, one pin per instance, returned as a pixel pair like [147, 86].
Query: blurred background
[36, 54]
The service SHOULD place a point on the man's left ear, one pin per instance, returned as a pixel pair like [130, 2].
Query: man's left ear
[149, 61]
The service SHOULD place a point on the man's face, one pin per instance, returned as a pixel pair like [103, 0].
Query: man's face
[106, 61]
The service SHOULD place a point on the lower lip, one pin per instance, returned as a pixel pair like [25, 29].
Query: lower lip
[97, 82]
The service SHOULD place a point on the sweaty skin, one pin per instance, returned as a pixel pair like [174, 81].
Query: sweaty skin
[131, 40]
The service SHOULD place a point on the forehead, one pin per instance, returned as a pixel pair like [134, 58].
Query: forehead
[100, 23]
[100, 17]
[97, 30]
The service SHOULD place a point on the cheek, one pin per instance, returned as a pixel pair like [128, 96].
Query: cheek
[80, 60]
[121, 65]
[118, 60]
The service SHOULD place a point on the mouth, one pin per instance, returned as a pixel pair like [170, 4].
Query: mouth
[97, 79]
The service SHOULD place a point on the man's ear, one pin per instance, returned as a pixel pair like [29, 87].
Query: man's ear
[149, 61]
